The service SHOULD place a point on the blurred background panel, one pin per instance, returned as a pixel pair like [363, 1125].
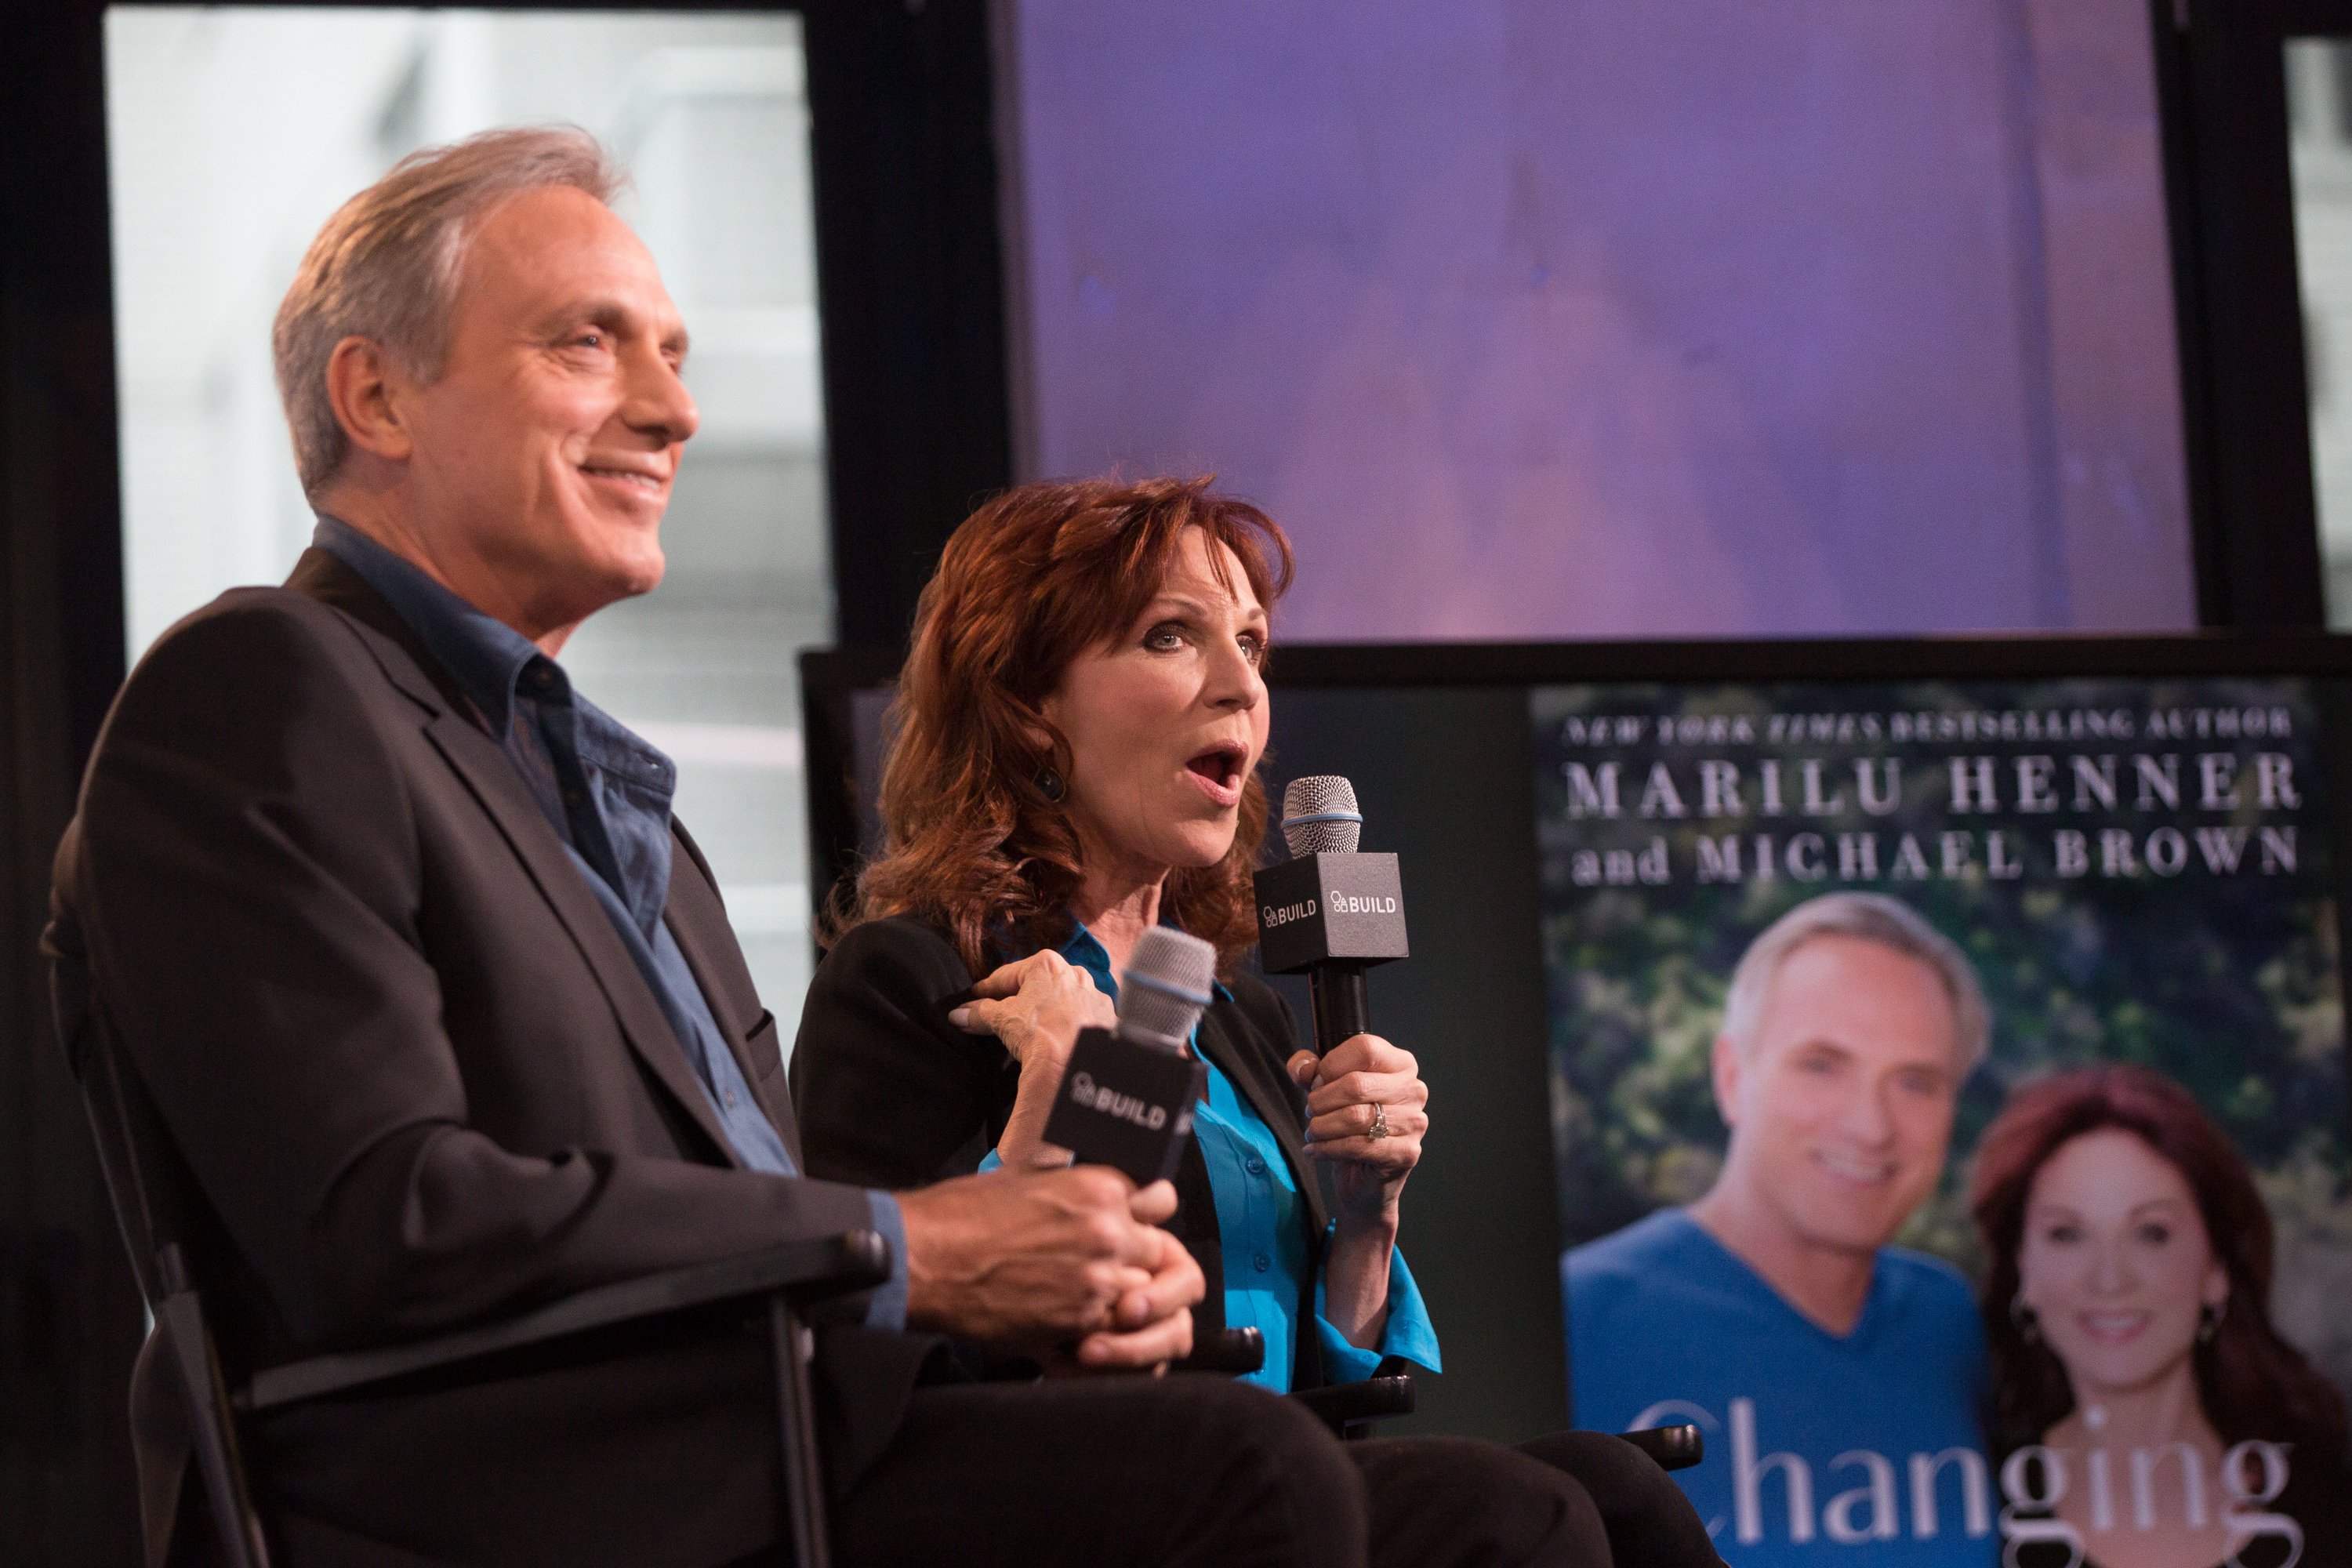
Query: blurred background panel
[2319, 148]
[233, 133]
[1571, 317]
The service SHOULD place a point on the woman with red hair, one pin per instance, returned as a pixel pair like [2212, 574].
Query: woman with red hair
[1078, 729]
[1075, 760]
[2149, 1413]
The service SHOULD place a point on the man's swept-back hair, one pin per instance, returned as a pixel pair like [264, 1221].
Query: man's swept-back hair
[1865, 917]
[386, 267]
[1032, 580]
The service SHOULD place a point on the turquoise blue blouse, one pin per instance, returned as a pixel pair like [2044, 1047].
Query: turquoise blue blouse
[1262, 1229]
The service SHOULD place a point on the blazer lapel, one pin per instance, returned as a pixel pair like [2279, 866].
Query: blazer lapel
[478, 760]
[1195, 1224]
[1258, 1082]
[699, 920]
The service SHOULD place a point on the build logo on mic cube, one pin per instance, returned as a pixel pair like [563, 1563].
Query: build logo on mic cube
[1127, 1105]
[1320, 907]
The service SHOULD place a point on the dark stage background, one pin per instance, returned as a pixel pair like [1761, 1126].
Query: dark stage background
[946, 153]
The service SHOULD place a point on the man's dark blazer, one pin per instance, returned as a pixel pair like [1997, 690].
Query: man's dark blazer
[892, 1095]
[420, 1081]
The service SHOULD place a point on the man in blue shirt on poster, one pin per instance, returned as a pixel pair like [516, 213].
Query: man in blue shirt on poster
[1840, 1381]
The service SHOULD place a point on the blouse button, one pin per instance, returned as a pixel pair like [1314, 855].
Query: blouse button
[1256, 1166]
[1262, 1262]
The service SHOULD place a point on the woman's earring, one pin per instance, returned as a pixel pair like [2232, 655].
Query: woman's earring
[2029, 1327]
[2209, 1320]
[1050, 786]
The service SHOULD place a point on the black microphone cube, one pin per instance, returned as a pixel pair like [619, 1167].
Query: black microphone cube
[1320, 906]
[1127, 1105]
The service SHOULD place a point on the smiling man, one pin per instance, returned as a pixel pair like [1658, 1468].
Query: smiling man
[1773, 1310]
[440, 1007]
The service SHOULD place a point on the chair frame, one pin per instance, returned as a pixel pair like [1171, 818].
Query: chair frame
[1350, 1409]
[140, 1163]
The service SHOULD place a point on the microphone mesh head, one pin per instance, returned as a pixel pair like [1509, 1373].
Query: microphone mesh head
[1166, 987]
[1319, 816]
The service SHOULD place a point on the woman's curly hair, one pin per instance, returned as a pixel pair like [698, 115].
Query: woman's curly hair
[1032, 579]
[2251, 1382]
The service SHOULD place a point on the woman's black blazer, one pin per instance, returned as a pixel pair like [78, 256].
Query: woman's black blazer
[889, 1094]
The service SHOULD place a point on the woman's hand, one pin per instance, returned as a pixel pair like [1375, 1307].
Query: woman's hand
[1036, 1007]
[1366, 1111]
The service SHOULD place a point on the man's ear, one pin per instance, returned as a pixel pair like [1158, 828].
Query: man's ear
[364, 388]
[1725, 1063]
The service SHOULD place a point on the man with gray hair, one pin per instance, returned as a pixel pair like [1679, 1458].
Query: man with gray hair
[440, 1008]
[1774, 1309]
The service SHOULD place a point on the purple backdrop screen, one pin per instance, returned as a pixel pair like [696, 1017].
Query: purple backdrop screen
[1565, 318]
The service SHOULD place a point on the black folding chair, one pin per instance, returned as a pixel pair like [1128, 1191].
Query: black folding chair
[165, 1223]
[1354, 1409]
[1350, 1409]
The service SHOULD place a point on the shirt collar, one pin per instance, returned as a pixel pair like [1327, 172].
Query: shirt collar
[1084, 951]
[484, 655]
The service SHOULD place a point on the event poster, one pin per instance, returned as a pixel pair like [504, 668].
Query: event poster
[1950, 1111]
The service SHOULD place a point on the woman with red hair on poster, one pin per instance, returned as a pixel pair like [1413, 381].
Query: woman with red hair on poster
[2149, 1414]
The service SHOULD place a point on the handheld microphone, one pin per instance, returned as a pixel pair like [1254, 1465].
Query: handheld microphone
[1128, 1093]
[1330, 910]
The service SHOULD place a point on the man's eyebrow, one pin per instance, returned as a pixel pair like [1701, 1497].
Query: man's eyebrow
[588, 308]
[614, 312]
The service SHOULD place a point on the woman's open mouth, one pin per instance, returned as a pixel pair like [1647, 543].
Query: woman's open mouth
[1220, 770]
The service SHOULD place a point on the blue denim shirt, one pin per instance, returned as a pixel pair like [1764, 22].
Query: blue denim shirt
[1262, 1228]
[607, 794]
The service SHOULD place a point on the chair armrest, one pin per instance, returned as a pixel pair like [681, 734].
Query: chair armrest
[1233, 1351]
[1345, 1405]
[810, 1270]
[1675, 1448]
